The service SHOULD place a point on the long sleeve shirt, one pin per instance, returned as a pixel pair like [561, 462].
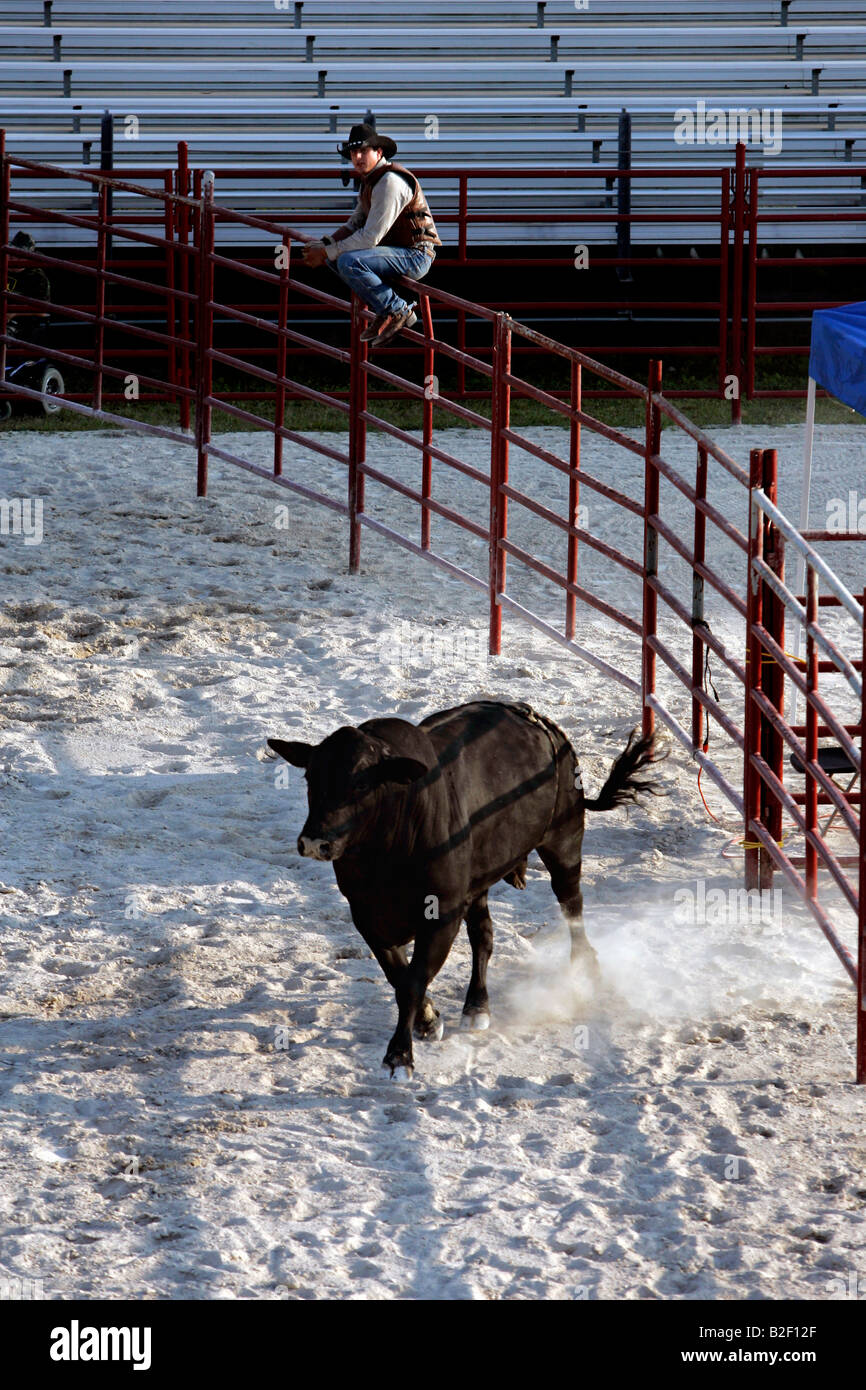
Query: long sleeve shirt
[390, 196]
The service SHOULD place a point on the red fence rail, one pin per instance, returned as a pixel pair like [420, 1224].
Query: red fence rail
[767, 210]
[102, 227]
[584, 188]
[734, 212]
[666, 577]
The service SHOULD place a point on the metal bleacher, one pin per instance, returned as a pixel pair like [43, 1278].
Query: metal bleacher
[471, 83]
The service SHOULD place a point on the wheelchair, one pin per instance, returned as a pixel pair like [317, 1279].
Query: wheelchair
[38, 373]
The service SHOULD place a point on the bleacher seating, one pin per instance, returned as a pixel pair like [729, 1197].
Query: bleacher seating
[255, 84]
[561, 148]
[318, 43]
[541, 13]
[756, 82]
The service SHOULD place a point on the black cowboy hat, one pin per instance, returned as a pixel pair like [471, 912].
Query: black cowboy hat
[365, 137]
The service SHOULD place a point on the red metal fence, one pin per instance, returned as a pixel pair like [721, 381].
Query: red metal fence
[672, 583]
[704, 191]
[769, 732]
[172, 345]
[772, 290]
[737, 293]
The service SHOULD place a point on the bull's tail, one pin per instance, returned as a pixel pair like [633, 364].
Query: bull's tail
[623, 784]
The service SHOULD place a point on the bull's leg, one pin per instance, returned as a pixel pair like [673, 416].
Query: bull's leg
[395, 965]
[393, 962]
[561, 856]
[430, 953]
[476, 1010]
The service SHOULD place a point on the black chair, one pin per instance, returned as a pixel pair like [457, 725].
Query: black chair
[835, 762]
[832, 760]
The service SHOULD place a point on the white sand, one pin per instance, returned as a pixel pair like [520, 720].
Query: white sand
[693, 1132]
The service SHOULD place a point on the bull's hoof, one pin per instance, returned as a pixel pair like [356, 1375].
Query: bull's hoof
[430, 1030]
[475, 1022]
[585, 961]
[398, 1072]
[434, 1031]
[399, 1064]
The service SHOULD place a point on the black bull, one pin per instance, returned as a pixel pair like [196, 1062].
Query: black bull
[419, 821]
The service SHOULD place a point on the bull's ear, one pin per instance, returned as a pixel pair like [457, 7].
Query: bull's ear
[298, 754]
[401, 770]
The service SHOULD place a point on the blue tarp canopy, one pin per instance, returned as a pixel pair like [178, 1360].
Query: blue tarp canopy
[838, 357]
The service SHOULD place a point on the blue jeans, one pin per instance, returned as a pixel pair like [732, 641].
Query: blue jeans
[367, 273]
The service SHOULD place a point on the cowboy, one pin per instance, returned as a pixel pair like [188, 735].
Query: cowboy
[390, 233]
[30, 280]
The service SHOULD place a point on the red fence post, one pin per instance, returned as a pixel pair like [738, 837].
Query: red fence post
[501, 415]
[182, 224]
[773, 682]
[751, 282]
[811, 808]
[751, 719]
[724, 277]
[204, 330]
[573, 499]
[101, 249]
[357, 433]
[5, 174]
[861, 914]
[651, 545]
[462, 260]
[431, 390]
[282, 322]
[170, 233]
[737, 283]
[698, 598]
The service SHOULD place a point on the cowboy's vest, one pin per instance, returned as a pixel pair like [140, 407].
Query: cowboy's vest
[415, 225]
